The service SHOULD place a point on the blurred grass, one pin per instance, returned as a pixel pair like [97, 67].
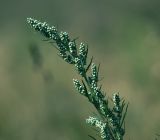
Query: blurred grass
[41, 103]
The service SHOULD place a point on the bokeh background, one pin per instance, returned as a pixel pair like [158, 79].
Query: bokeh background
[37, 97]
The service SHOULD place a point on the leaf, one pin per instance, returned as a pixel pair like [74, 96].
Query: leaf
[92, 137]
[89, 64]
[124, 115]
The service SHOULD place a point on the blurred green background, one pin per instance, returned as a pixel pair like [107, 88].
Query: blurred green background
[37, 97]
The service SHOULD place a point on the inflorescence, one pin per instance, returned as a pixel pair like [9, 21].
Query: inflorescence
[111, 124]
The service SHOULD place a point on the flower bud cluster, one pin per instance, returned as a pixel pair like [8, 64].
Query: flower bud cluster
[79, 87]
[72, 48]
[99, 124]
[93, 79]
[47, 31]
[116, 101]
[83, 51]
[102, 107]
[67, 58]
[94, 72]
[64, 37]
[97, 93]
[79, 66]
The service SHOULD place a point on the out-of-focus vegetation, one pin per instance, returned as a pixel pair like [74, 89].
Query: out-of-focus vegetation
[37, 98]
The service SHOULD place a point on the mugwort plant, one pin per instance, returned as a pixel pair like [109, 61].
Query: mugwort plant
[111, 123]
